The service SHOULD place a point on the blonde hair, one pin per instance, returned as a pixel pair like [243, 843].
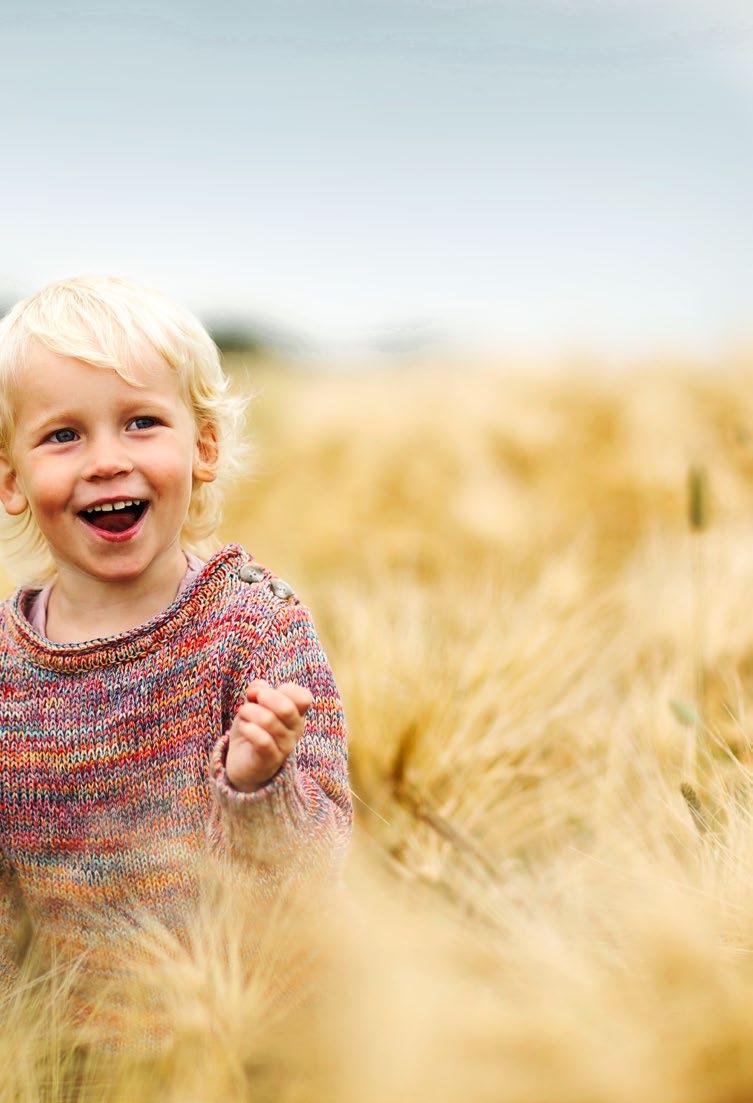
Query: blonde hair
[107, 321]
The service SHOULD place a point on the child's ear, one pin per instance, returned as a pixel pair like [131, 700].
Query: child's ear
[11, 495]
[206, 454]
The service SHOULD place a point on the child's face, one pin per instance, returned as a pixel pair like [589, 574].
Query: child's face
[82, 433]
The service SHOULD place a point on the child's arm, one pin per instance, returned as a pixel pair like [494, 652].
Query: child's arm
[303, 814]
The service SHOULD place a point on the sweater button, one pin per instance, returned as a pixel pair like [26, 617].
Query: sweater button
[280, 588]
[250, 573]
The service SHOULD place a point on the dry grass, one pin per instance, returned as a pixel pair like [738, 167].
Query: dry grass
[546, 664]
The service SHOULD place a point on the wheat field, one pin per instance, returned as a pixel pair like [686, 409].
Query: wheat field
[534, 589]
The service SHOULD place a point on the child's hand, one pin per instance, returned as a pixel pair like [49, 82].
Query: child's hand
[264, 731]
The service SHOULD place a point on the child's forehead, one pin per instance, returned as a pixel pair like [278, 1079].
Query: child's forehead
[147, 370]
[60, 386]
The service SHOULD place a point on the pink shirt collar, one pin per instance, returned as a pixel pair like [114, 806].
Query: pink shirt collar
[37, 609]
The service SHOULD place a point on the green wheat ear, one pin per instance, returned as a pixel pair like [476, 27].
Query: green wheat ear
[685, 712]
[698, 498]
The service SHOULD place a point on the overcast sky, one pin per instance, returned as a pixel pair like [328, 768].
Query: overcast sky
[531, 174]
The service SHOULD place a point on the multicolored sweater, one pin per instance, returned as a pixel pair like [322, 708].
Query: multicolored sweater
[112, 757]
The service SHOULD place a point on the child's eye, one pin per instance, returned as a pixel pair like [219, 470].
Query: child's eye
[140, 417]
[60, 431]
[144, 417]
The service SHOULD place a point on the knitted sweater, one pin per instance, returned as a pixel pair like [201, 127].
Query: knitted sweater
[112, 759]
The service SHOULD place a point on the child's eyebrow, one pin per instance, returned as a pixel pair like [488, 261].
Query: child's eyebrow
[68, 414]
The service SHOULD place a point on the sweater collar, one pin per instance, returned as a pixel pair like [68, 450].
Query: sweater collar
[85, 655]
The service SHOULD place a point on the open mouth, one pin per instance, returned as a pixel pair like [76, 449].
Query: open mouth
[114, 520]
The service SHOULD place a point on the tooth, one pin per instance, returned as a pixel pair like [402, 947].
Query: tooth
[108, 506]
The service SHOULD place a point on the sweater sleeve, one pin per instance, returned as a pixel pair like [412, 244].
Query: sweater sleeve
[302, 817]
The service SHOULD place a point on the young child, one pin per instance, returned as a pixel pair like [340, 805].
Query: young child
[159, 693]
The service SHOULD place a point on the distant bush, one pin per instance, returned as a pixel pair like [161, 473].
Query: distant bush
[237, 338]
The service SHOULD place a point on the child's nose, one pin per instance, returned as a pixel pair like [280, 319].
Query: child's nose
[107, 459]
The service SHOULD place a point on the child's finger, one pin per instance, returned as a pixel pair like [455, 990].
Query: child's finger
[265, 718]
[288, 701]
[252, 689]
[301, 697]
[278, 704]
[263, 741]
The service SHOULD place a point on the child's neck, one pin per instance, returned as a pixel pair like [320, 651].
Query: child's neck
[77, 612]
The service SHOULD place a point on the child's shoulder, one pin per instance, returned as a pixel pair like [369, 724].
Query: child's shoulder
[263, 582]
[258, 596]
[269, 623]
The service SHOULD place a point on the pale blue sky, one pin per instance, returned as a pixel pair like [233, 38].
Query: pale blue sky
[528, 174]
